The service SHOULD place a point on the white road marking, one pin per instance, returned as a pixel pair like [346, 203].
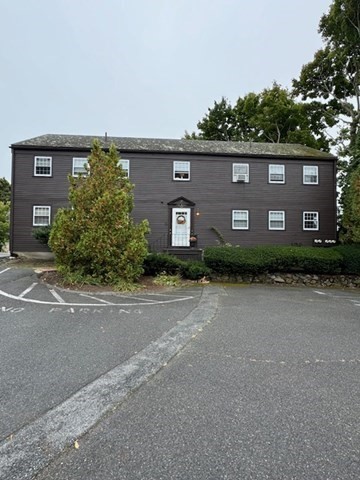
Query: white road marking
[38, 443]
[5, 270]
[57, 296]
[138, 298]
[26, 291]
[333, 295]
[95, 298]
[42, 302]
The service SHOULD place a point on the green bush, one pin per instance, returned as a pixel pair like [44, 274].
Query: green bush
[162, 263]
[157, 263]
[350, 258]
[4, 224]
[235, 261]
[42, 234]
[195, 270]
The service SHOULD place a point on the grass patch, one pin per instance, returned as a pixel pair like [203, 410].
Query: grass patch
[165, 280]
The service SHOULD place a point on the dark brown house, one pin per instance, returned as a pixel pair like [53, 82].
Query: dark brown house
[192, 192]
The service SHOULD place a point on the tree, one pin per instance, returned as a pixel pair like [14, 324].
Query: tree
[334, 73]
[270, 116]
[96, 240]
[350, 224]
[5, 190]
[334, 77]
[4, 224]
[350, 232]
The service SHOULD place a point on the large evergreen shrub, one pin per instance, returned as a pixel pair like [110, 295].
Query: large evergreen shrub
[95, 240]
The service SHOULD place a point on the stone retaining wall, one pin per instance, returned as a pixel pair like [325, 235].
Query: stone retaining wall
[297, 279]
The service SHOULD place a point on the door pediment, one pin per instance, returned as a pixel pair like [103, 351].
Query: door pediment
[181, 202]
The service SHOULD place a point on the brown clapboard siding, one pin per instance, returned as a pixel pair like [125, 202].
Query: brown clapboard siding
[210, 188]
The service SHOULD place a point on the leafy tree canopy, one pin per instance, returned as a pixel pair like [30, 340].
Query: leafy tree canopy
[5, 190]
[334, 73]
[96, 240]
[334, 77]
[270, 116]
[4, 223]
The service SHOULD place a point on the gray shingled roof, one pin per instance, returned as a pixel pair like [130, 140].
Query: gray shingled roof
[126, 144]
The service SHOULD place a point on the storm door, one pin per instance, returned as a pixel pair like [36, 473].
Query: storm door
[180, 232]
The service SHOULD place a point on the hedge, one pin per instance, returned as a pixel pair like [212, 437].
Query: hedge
[156, 263]
[350, 258]
[233, 261]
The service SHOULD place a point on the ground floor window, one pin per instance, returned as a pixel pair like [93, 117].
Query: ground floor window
[311, 220]
[240, 219]
[41, 215]
[276, 220]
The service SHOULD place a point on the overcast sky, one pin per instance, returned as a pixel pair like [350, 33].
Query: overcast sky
[141, 68]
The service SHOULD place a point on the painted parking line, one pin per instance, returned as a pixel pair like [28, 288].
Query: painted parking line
[115, 300]
[173, 299]
[57, 296]
[95, 298]
[27, 290]
[5, 270]
[354, 299]
[43, 302]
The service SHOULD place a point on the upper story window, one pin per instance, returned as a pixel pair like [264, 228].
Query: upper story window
[181, 170]
[240, 219]
[80, 166]
[276, 220]
[276, 173]
[41, 215]
[240, 172]
[310, 220]
[125, 165]
[43, 166]
[310, 175]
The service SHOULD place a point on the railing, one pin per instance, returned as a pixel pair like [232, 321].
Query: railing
[159, 244]
[178, 240]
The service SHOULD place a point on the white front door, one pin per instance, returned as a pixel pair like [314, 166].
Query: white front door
[181, 219]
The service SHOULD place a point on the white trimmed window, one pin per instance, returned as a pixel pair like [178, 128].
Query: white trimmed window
[310, 220]
[43, 166]
[276, 220]
[125, 165]
[240, 220]
[41, 215]
[79, 166]
[240, 172]
[276, 173]
[181, 171]
[310, 175]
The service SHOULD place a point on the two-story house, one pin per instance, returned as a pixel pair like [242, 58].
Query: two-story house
[247, 193]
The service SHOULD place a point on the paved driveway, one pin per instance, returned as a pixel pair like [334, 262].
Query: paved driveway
[267, 387]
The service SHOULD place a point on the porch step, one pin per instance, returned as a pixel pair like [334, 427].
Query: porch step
[185, 253]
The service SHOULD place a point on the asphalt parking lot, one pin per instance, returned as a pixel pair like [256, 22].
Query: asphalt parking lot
[214, 382]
